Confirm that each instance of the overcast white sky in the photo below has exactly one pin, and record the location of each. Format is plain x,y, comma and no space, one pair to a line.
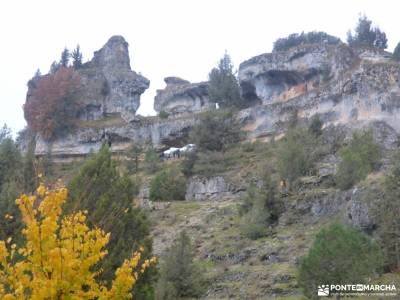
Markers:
183,38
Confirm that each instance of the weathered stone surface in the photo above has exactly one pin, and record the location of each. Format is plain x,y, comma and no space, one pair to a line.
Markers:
214,188
283,75
181,96
159,133
111,87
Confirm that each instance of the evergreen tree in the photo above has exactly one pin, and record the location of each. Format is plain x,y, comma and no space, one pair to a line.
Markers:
10,185
339,255
168,184
180,277
65,55
107,195
366,35
77,57
396,52
387,213
216,131
224,87
55,66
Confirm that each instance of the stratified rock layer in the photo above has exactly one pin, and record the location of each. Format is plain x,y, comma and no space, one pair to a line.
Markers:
180,96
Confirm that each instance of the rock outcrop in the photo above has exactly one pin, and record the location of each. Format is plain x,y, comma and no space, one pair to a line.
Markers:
280,76
181,96
346,88
214,188
354,92
110,86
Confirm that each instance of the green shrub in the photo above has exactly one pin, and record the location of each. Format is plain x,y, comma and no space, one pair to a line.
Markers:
180,276
296,155
386,213
339,255
163,115
216,131
296,39
360,157
168,184
260,208
152,161
315,126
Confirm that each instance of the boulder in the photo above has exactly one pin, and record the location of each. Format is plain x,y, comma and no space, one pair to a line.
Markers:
181,96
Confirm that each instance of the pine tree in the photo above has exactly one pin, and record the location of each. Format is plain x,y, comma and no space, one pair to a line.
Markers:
224,87
107,195
339,255
367,36
55,66
180,277
396,52
65,55
77,57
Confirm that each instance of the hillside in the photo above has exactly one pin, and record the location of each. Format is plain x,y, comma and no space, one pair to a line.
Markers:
314,143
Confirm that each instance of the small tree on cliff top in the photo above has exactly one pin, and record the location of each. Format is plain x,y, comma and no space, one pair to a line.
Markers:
224,87
59,255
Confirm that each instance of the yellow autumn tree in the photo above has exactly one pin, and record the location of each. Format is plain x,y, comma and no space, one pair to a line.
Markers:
59,255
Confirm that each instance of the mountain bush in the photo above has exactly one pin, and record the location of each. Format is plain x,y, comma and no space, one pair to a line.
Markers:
359,158
167,185
339,255
296,39
180,276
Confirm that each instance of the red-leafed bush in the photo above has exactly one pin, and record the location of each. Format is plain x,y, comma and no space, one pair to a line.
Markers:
51,107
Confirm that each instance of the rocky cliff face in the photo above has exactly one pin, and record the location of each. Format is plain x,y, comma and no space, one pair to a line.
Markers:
111,87
181,96
331,81
343,86
280,76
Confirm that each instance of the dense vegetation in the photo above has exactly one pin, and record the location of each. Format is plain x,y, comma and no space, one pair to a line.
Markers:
359,158
168,184
296,39
339,255
367,36
99,188
51,108
180,276
216,131
224,86
57,259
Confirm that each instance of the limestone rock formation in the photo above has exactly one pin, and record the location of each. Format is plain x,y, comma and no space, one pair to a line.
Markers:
331,81
214,188
111,87
181,96
282,75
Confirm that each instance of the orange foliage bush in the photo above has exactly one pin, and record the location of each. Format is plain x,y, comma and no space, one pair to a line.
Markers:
51,107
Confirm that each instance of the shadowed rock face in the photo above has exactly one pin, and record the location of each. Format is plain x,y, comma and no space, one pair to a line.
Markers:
181,96
280,76
111,87
334,82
